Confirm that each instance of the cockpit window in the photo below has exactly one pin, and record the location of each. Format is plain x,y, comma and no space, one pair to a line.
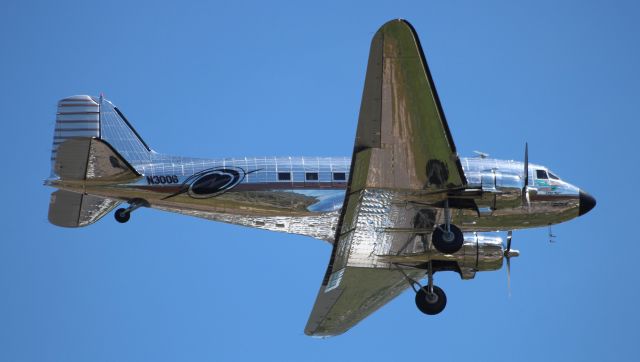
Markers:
553,177
541,174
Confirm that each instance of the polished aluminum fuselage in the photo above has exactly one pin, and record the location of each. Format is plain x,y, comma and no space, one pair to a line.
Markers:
310,205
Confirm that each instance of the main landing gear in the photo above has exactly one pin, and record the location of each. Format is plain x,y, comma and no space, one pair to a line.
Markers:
430,299
447,238
123,215
431,302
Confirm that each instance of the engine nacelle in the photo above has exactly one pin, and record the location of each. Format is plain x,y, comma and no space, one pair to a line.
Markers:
478,253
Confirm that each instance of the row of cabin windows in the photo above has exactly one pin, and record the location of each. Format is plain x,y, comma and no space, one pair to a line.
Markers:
312,176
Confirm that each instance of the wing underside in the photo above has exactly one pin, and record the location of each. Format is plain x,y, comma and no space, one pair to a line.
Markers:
401,118
403,148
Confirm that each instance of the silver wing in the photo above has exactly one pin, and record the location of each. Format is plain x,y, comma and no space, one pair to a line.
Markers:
403,147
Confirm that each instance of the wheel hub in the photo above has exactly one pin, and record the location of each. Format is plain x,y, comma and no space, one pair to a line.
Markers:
431,298
448,236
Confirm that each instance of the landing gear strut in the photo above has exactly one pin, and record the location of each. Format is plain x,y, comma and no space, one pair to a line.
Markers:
447,238
123,215
431,299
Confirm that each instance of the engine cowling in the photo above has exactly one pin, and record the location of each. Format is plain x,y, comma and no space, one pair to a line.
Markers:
479,253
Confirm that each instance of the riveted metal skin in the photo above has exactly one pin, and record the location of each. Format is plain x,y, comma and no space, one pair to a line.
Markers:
377,208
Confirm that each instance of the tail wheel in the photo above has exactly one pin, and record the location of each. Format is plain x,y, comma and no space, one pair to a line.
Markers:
122,215
447,242
431,303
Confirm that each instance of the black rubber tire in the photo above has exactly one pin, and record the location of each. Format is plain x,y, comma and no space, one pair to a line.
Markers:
431,307
447,247
122,216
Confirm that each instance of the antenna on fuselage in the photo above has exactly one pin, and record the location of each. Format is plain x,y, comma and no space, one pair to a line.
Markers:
552,236
481,154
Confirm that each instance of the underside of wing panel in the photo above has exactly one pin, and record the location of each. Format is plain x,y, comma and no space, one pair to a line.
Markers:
355,295
401,118
403,152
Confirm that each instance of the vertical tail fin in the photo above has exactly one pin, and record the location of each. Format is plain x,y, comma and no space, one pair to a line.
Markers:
77,116
95,117
92,141
116,130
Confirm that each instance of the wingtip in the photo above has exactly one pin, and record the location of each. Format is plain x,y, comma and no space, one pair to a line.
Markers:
394,22
314,335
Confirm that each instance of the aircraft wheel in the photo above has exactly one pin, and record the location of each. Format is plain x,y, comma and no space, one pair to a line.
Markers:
431,304
447,242
122,215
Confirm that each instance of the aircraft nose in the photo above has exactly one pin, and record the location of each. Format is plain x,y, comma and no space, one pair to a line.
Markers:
587,202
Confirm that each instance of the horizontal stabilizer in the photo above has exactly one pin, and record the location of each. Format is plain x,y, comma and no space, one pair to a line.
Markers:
91,159
71,209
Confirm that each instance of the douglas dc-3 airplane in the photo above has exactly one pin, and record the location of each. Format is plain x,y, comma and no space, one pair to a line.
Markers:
402,207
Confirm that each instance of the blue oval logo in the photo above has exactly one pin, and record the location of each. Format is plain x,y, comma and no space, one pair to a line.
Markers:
214,182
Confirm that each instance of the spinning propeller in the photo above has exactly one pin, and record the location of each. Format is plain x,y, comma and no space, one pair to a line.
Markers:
508,253
525,187
526,201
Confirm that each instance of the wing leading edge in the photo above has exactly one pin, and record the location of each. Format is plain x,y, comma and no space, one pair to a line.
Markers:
403,145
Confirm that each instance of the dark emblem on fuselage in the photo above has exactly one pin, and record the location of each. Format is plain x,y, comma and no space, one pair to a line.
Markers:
211,182
214,182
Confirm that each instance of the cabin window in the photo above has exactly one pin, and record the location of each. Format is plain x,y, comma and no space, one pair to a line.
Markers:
284,176
339,176
541,174
311,176
553,177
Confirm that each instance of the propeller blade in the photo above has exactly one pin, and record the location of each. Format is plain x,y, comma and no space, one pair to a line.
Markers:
507,255
526,164
509,275
525,186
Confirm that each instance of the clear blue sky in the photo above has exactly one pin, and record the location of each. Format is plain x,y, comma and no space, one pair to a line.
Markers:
273,78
